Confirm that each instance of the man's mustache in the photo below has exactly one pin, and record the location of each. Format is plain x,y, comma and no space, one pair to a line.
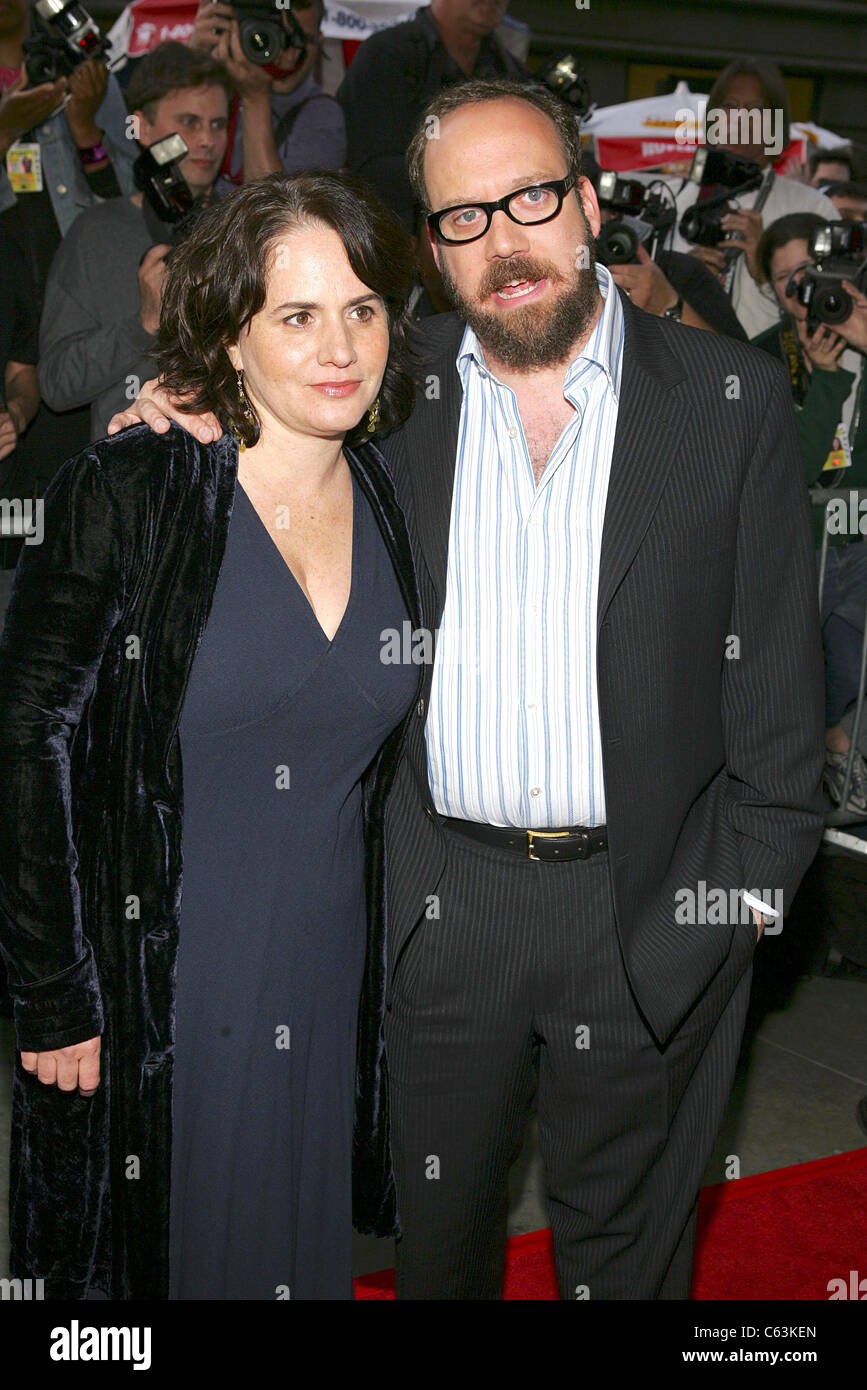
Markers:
519,268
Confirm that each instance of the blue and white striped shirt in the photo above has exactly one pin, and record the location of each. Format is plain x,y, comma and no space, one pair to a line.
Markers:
512,731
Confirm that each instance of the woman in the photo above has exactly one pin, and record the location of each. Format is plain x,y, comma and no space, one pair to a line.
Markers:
197,640
829,408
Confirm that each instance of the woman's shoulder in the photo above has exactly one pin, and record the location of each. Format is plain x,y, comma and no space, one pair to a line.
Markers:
140,458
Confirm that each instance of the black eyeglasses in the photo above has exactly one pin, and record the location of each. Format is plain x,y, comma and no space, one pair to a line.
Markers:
539,202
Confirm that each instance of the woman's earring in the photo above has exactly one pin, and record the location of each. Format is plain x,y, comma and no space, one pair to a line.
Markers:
247,412
373,416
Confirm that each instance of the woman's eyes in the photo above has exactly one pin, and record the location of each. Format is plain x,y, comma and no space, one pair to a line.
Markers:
365,313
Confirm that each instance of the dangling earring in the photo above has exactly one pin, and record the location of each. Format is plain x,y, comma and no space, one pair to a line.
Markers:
373,416
247,412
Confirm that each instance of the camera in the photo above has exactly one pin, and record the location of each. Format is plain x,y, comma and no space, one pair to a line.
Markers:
646,217
170,207
565,79
263,34
66,36
702,223
840,252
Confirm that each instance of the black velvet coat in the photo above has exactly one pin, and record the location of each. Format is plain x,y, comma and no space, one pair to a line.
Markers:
104,622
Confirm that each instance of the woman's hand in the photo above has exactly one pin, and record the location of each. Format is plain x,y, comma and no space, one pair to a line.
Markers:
822,348
69,1067
157,408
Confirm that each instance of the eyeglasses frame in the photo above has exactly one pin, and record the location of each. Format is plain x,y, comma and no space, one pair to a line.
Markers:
559,186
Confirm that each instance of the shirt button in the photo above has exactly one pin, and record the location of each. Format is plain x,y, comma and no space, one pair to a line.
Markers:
46,130
535,791
531,704
513,433
61,188
419,709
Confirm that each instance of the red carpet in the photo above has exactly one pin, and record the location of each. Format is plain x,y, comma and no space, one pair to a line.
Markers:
778,1235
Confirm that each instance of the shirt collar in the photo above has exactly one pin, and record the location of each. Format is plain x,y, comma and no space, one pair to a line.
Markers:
425,21
604,347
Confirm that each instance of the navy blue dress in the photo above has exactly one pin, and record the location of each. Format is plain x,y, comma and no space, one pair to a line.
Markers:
277,727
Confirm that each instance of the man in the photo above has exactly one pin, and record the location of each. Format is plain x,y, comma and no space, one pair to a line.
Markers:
849,198
829,166
396,72
751,99
102,303
285,120
588,490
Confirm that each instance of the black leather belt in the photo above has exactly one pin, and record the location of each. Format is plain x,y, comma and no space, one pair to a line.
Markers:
547,846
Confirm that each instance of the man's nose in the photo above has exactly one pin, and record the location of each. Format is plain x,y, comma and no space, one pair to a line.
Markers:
505,237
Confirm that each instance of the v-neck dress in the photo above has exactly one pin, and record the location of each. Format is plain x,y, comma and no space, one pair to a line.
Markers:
277,727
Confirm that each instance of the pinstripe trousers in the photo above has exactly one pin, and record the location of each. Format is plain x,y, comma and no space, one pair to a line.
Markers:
518,988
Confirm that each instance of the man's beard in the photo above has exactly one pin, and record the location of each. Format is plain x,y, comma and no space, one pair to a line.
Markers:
537,335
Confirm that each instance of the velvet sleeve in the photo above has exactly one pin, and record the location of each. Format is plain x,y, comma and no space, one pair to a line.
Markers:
66,598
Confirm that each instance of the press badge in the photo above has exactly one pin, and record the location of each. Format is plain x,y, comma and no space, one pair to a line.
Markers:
840,455
24,167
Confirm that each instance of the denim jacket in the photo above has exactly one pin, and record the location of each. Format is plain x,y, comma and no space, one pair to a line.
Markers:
62,173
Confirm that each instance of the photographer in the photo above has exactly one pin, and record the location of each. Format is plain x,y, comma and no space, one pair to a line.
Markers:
397,71
661,282
79,152
102,304
283,121
19,395
747,95
826,368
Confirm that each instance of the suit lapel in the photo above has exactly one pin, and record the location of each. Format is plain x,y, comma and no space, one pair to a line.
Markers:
649,427
650,423
431,444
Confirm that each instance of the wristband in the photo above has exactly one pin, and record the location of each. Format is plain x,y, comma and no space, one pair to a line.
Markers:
674,311
94,154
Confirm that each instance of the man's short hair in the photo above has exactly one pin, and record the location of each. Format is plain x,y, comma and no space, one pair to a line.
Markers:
770,79
845,188
172,67
492,89
821,155
795,226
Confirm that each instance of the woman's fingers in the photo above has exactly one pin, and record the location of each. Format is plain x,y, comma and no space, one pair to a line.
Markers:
70,1068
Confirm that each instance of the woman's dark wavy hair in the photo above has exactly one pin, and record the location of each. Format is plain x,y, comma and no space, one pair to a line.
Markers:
216,283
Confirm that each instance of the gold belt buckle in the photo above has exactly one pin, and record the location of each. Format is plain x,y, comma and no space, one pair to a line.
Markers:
542,835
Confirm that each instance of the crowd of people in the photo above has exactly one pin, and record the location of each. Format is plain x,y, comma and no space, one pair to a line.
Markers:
325,236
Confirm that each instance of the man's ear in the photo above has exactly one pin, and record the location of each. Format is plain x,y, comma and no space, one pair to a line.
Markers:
590,204
434,247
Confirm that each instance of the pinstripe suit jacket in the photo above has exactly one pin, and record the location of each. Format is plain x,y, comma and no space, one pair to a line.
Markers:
712,763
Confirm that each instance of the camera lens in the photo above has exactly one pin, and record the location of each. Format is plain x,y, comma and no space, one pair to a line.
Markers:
832,305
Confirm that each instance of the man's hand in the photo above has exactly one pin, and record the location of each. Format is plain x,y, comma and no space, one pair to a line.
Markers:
748,225
151,279
87,84
212,20
712,257
157,408
647,286
822,348
22,107
854,330
67,1067
10,428
250,79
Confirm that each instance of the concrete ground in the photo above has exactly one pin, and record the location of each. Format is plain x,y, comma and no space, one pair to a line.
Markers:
802,1071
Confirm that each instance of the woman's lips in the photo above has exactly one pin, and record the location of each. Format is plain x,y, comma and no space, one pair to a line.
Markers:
336,388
